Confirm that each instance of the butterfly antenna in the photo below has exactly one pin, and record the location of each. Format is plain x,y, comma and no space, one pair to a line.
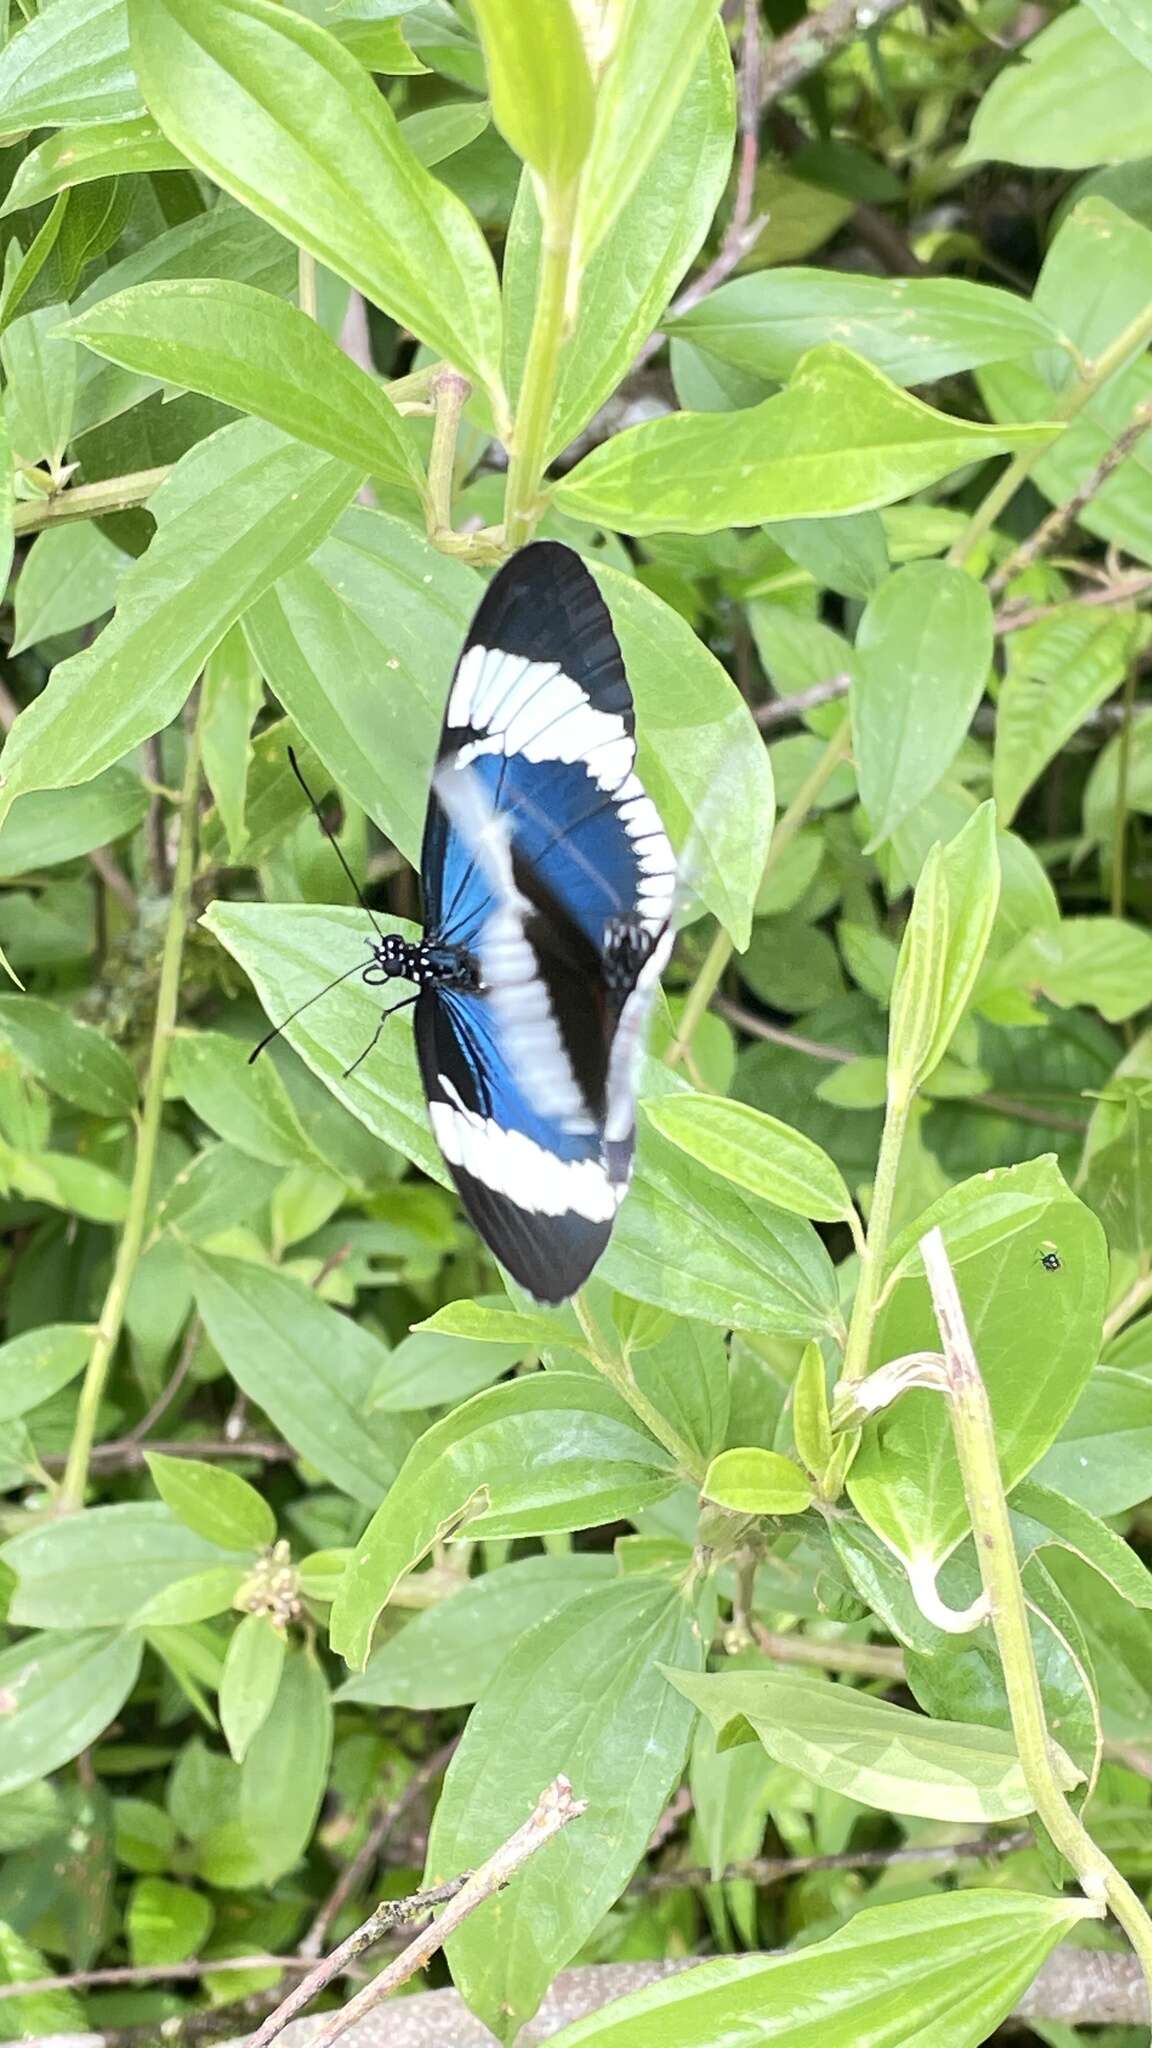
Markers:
293,1014
337,849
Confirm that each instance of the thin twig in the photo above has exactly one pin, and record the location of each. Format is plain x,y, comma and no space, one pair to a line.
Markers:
555,1807
389,1914
356,1872
149,1973
860,1660
1058,522
1127,590
764,1870
793,57
125,1453
782,710
113,877
172,1386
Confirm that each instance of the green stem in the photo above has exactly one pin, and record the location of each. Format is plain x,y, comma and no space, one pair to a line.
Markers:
108,1329
450,392
1068,404
720,951
879,1229
1119,890
529,446
1128,1305
619,1375
306,282
89,501
975,1441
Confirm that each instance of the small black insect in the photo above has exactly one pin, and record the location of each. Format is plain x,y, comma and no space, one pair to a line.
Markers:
1051,1260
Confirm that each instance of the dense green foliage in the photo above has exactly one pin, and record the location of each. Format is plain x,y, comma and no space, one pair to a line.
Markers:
292,1481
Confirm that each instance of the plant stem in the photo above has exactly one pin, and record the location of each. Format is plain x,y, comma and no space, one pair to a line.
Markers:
450,393
132,1237
619,1375
1119,889
975,1440
89,501
529,445
1128,1306
879,1228
306,282
1066,406
720,951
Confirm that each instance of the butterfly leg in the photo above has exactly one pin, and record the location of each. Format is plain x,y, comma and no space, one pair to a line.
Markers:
371,1045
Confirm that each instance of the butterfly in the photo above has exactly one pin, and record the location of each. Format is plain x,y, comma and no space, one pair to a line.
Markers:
548,887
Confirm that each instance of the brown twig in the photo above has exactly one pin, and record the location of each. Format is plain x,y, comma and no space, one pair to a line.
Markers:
113,877
1127,590
764,1870
859,1660
782,710
793,57
361,1865
172,1386
125,1453
389,1914
156,823
148,1973
555,1808
1062,517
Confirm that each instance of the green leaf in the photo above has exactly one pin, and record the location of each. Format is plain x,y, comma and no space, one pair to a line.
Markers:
248,349
166,1922
751,1481
914,329
72,1059
40,2012
943,948
40,369
307,1366
849,555
215,1503
683,1371
285,1771
99,1568
250,1680
542,97
756,1151
1075,101
247,1105
69,64
1102,1458
1041,1517
70,577
645,253
1059,671
57,825
433,1369
840,439
226,80
230,696
196,1598
235,513
1129,22
656,49
78,156
438,132
584,1692
923,657
63,1691
35,1365
555,1451
939,1972
1035,1345
866,1748
65,1181
448,1655
1099,961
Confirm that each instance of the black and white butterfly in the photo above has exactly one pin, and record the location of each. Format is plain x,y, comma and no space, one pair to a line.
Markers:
549,887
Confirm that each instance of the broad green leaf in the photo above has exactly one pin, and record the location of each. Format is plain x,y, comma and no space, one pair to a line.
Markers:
1129,22
29,2016
756,1151
78,156
584,1691
1058,672
448,1655
541,86
285,1771
250,350
71,1058
684,1372
40,372
213,1502
923,656
216,1186
555,1451
250,1680
874,1752
944,943
1102,1458
69,64
1076,100
1119,1643
437,132
840,439
230,696
166,1922
66,1181
914,329
226,81
307,1366
35,1365
687,1241
646,251
64,1690
1036,1335
493,1322
653,49
433,1369
196,1598
1042,1518
247,1105
235,513
99,1568
848,555
752,1481
1101,961
938,1972
70,577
